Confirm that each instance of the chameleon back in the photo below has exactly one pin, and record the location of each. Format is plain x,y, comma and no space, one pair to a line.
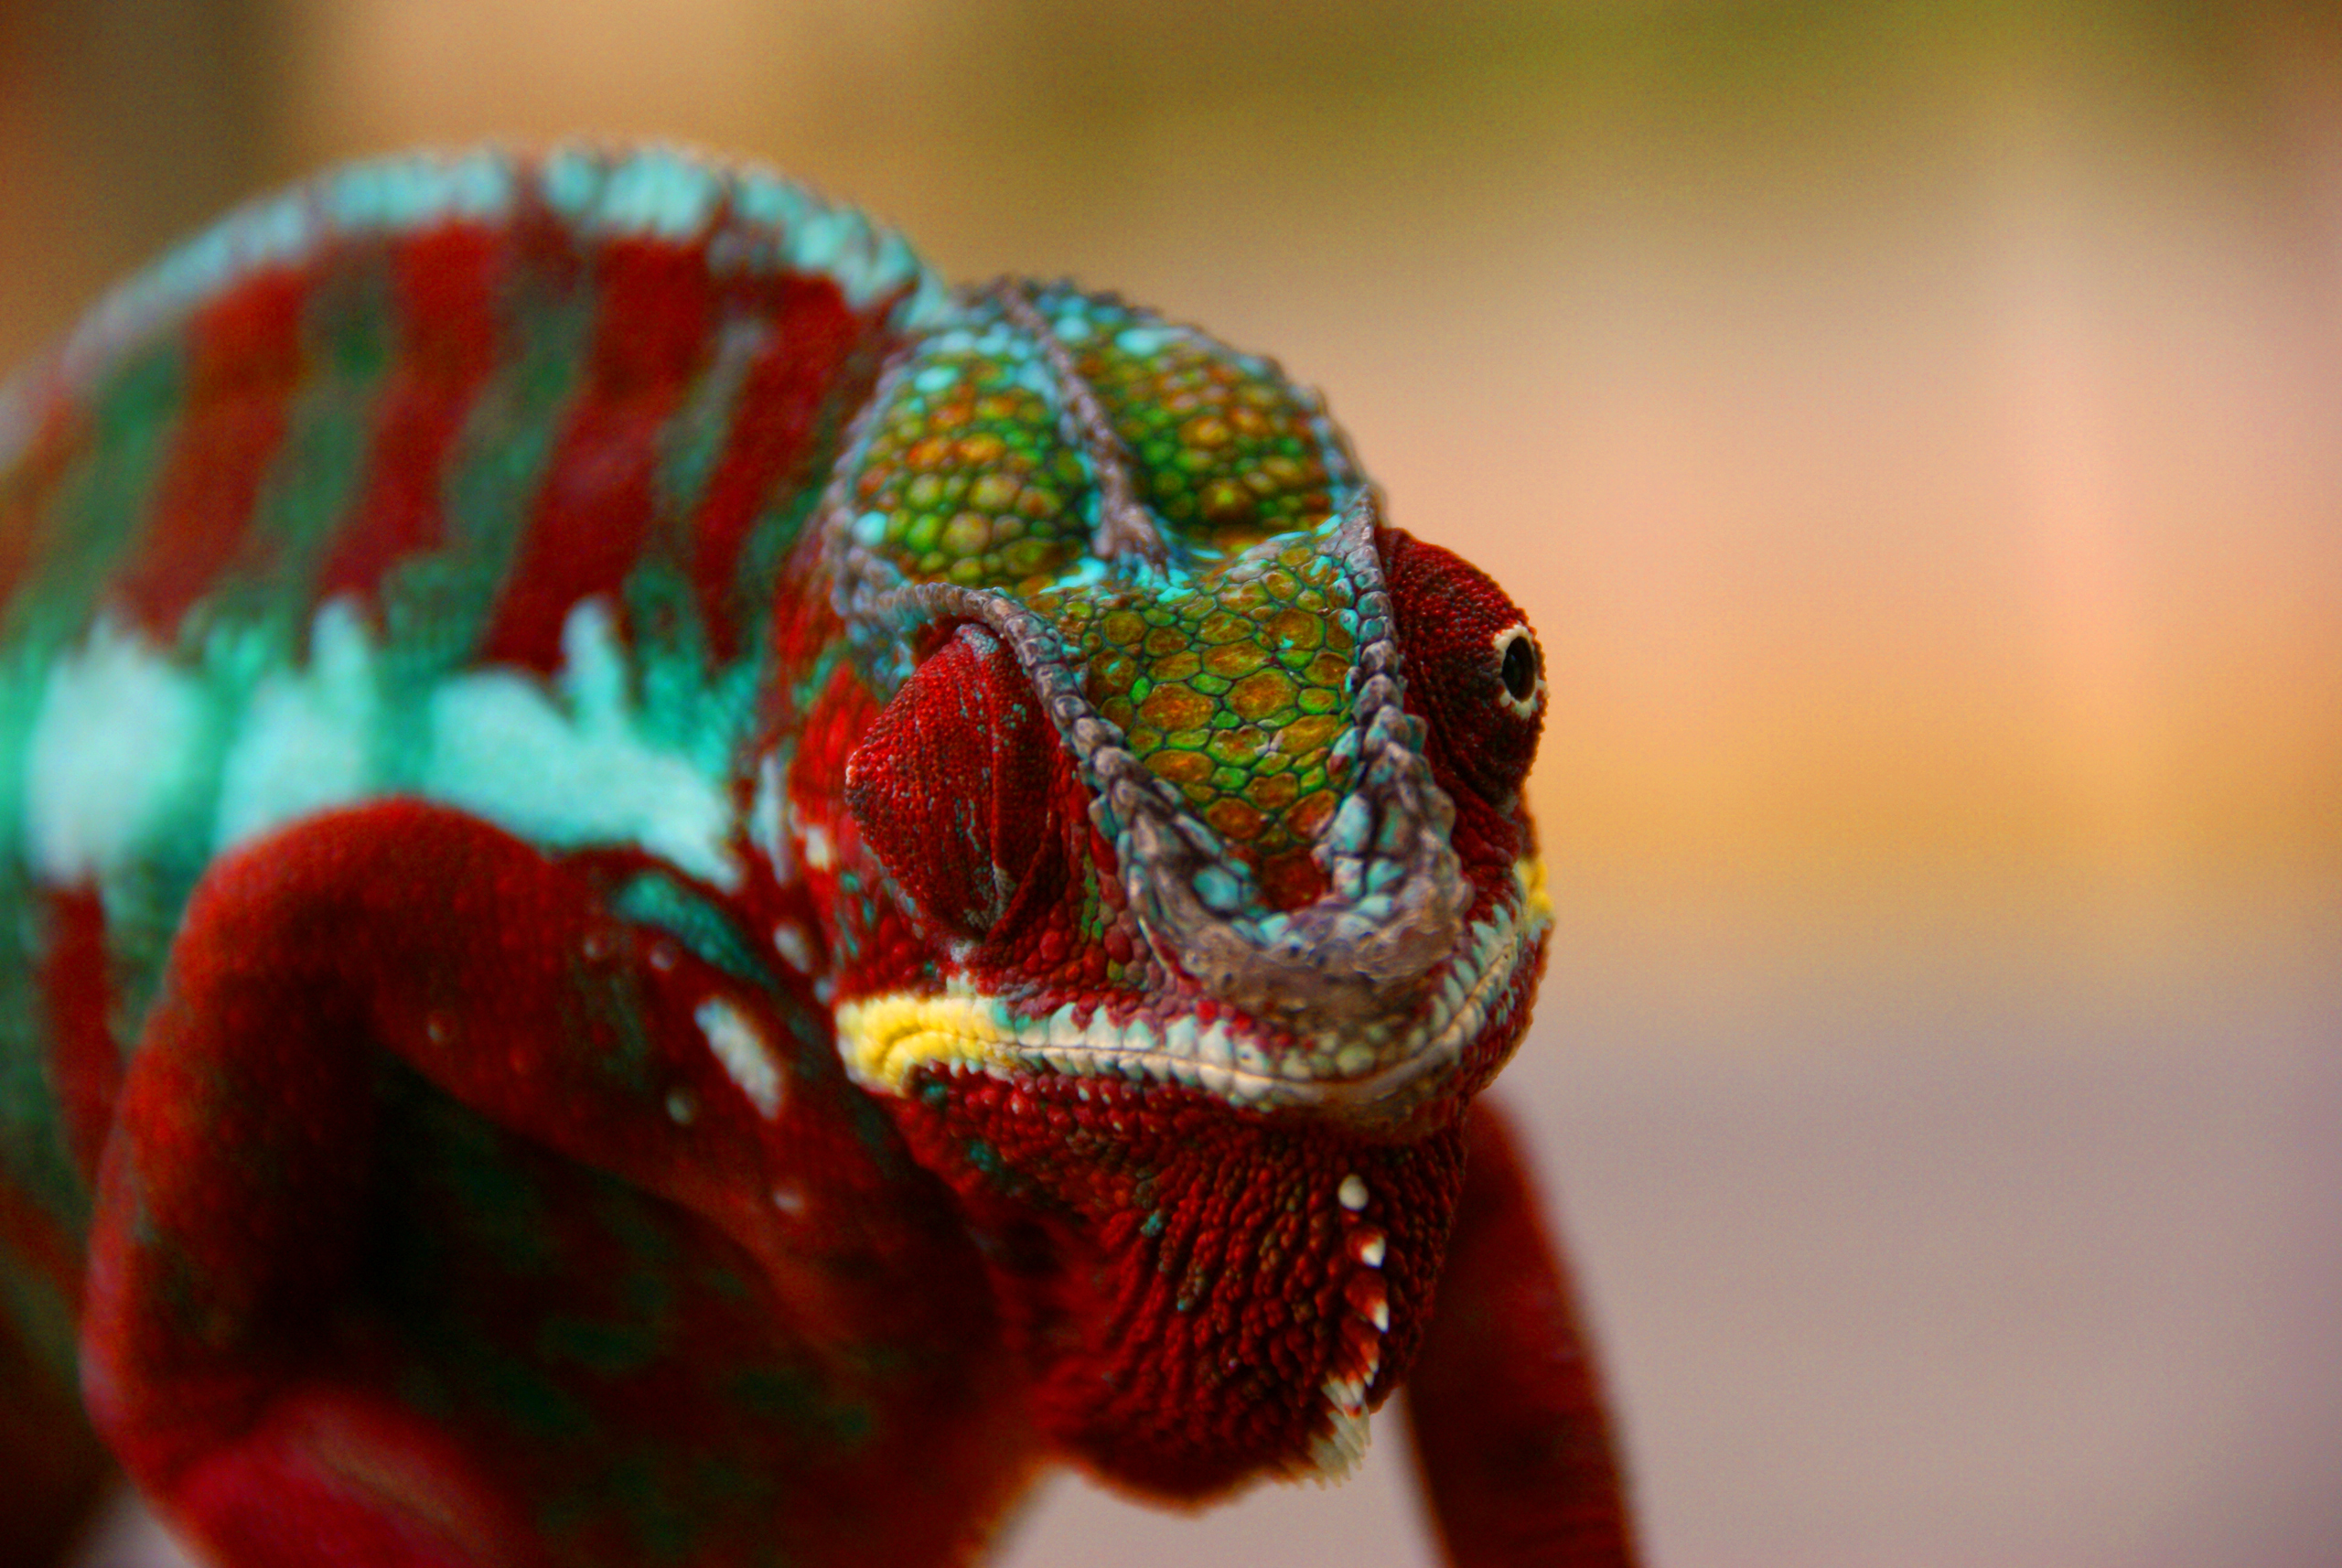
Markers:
276,512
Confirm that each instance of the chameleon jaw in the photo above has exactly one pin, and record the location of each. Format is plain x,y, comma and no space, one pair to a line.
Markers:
1361,1068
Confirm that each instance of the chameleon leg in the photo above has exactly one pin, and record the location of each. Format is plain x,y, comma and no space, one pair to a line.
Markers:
433,1234
1505,1406
226,1355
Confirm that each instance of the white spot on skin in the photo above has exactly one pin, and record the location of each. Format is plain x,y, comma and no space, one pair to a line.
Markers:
790,941
740,1046
789,1200
767,814
306,735
567,766
681,1107
112,751
1352,1192
820,853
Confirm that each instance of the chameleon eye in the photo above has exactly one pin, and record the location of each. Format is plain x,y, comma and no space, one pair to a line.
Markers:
1520,667
1472,664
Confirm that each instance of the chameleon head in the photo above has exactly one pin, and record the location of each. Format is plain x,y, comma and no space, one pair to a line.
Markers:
1183,890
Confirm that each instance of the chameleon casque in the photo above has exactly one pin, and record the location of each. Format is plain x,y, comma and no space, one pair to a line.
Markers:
676,896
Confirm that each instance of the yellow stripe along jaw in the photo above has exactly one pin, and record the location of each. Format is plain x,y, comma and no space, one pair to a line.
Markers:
885,1038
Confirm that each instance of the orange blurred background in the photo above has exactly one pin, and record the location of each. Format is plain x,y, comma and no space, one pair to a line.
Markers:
1916,434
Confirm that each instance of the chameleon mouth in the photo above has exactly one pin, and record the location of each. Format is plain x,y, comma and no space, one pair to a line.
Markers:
1363,1066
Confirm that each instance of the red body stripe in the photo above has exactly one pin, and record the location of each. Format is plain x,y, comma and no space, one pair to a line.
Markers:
244,367
593,511
85,1063
773,429
444,283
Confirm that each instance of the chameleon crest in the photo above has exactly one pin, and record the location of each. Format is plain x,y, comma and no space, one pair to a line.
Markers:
683,895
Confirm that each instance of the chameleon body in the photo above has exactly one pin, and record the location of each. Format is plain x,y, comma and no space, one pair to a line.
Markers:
679,897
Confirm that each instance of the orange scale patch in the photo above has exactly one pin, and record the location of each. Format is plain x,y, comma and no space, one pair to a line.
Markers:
1184,665
1111,676
1224,626
1294,628
1237,746
1312,734
1228,451
1259,695
1234,660
1232,817
1273,792
1232,693
1181,766
1309,813
1174,707
974,479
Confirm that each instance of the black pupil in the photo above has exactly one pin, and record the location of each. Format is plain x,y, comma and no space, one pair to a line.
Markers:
1519,669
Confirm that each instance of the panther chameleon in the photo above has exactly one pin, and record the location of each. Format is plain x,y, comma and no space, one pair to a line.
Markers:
677,897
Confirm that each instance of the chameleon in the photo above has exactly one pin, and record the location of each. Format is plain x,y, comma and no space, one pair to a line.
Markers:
678,896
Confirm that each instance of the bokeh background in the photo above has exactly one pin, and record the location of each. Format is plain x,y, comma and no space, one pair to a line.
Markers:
1915,431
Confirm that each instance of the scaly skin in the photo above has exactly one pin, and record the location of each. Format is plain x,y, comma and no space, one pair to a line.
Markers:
678,896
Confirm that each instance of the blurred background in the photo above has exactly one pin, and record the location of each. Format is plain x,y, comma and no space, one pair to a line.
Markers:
1915,431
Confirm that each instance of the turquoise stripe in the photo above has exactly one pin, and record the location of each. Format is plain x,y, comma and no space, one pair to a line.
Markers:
694,437
350,347
685,705
100,505
668,648
305,498
435,609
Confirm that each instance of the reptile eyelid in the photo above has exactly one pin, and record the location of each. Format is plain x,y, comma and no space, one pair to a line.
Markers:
1519,668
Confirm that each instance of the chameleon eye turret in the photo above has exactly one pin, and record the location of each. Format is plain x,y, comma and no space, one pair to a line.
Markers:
677,894
1476,674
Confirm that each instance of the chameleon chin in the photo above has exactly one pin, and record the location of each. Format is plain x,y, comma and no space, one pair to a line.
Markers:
678,896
